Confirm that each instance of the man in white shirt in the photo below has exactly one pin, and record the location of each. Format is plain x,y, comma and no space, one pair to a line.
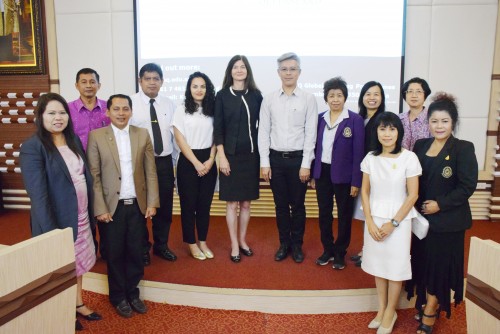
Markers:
125,187
154,112
287,136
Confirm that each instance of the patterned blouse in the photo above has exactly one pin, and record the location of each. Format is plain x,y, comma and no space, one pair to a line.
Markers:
415,130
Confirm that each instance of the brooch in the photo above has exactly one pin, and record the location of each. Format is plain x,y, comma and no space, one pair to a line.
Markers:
347,132
447,172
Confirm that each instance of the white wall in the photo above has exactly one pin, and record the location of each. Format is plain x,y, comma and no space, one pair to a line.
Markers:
450,43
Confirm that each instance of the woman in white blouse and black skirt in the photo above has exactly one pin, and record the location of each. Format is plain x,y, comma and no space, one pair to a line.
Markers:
196,169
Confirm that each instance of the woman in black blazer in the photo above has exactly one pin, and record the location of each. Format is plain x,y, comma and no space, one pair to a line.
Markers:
448,179
59,184
236,121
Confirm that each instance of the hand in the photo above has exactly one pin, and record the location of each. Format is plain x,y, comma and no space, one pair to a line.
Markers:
313,183
373,230
208,164
429,207
266,173
224,166
354,191
105,218
386,229
201,169
304,174
150,212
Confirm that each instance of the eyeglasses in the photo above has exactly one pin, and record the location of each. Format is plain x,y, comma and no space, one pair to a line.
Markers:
289,69
415,92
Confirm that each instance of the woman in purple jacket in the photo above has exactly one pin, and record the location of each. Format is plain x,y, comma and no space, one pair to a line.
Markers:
336,170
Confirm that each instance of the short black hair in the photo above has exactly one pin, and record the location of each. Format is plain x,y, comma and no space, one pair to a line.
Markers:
87,70
335,83
119,96
444,102
417,80
362,108
387,118
151,67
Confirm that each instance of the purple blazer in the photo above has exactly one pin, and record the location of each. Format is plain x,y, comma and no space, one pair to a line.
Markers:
348,150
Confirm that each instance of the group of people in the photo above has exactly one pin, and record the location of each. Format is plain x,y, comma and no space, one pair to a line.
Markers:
96,162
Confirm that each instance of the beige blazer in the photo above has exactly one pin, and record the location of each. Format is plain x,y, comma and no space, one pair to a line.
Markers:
104,162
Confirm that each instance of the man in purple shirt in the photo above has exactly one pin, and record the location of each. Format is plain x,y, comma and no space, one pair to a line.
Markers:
87,112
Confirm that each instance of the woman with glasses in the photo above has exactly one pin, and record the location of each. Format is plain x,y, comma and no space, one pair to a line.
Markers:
415,91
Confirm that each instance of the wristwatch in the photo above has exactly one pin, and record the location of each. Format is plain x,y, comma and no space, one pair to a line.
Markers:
394,222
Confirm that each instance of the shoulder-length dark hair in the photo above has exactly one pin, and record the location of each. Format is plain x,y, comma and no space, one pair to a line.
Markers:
387,118
44,135
362,108
228,78
208,103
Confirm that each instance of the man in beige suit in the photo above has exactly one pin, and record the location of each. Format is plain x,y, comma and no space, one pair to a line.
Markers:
125,187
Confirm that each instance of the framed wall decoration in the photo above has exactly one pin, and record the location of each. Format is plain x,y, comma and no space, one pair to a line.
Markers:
21,37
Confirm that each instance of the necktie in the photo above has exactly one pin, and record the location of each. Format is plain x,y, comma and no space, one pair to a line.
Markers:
156,128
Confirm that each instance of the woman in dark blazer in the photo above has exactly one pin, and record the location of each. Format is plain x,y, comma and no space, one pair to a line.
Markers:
448,180
59,184
336,170
236,120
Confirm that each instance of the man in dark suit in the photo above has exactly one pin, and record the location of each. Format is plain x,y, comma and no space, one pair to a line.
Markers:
125,185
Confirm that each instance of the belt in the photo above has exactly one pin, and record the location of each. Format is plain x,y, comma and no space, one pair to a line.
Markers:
128,201
163,157
286,155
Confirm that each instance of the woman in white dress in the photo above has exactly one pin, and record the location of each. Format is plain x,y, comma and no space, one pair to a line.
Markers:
388,193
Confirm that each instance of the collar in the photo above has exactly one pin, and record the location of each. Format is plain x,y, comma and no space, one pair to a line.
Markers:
146,98
80,105
422,117
343,115
232,91
297,91
116,131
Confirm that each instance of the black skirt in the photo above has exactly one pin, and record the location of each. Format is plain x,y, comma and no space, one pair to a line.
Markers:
438,268
243,182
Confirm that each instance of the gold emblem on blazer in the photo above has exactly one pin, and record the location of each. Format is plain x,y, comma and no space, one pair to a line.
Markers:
447,157
347,132
447,172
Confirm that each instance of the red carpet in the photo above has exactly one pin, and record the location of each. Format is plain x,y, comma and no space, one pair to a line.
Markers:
257,272
164,318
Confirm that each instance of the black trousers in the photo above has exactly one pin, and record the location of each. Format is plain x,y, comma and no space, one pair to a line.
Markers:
325,190
195,195
124,236
162,221
289,195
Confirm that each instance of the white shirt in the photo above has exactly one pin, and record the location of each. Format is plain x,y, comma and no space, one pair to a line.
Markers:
288,123
329,135
197,129
141,117
127,187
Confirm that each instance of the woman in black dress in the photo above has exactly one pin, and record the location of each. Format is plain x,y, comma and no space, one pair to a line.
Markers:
448,179
236,120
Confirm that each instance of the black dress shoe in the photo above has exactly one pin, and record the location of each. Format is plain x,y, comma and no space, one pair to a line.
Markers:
246,252
297,254
324,259
165,254
138,306
236,258
355,258
78,325
123,309
282,253
146,259
94,316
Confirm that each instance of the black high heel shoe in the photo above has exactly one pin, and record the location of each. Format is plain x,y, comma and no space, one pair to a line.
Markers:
246,252
94,316
427,329
236,258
